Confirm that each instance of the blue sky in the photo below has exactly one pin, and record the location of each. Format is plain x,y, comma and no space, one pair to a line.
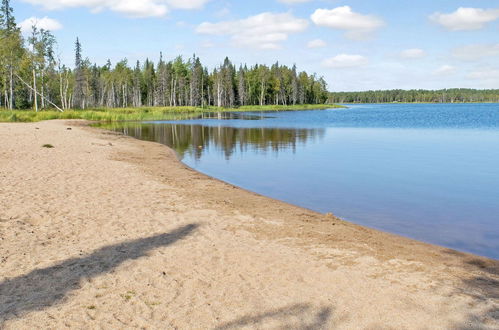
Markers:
354,44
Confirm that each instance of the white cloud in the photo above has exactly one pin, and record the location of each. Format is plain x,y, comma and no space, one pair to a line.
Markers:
263,31
222,12
476,52
292,2
317,43
485,74
44,23
357,26
345,61
445,70
132,8
412,53
466,19
184,4
207,44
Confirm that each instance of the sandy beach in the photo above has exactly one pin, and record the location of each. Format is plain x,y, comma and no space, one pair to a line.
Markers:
104,231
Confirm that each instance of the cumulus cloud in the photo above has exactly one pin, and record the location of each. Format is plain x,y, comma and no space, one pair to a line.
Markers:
263,31
317,43
184,4
445,70
292,2
345,61
412,53
485,74
44,23
476,52
132,8
466,19
357,26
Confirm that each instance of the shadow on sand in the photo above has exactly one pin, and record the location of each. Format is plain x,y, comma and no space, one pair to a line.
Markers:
45,287
483,286
299,316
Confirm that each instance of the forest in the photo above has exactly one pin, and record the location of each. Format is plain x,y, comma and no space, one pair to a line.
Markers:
31,77
455,95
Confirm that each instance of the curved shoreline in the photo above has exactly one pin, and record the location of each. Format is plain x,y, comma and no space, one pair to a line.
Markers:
190,152
251,261
178,159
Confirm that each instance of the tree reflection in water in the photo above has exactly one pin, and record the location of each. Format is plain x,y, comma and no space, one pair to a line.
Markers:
194,139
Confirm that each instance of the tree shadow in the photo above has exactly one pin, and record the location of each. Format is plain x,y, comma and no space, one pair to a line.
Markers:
482,285
45,287
299,316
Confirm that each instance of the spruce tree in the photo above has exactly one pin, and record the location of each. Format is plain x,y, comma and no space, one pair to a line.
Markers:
78,94
7,20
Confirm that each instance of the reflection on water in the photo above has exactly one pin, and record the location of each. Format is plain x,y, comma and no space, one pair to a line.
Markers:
232,116
194,140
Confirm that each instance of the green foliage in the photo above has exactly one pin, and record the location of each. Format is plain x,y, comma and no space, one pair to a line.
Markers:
7,20
456,95
138,114
48,146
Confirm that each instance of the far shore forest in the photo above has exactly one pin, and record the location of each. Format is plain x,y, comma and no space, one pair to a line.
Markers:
33,78
453,95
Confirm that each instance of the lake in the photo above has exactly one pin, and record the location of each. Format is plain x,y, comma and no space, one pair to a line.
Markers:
425,171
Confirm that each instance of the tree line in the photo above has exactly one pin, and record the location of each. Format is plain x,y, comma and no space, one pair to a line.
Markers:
31,76
455,95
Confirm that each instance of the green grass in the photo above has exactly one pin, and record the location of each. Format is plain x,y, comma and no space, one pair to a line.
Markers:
140,114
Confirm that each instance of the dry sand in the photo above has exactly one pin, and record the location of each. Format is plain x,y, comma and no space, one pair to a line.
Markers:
104,231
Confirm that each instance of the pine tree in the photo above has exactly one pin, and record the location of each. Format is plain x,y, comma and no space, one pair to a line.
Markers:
196,82
137,81
294,85
7,20
241,86
78,93
11,52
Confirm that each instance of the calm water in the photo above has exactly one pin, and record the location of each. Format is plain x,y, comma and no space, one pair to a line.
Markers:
430,172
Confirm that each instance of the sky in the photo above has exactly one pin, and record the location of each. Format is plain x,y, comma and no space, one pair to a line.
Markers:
354,44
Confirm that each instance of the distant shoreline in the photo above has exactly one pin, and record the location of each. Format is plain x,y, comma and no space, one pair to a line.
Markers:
353,103
451,95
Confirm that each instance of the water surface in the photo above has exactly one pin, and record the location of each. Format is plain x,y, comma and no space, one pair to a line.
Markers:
429,172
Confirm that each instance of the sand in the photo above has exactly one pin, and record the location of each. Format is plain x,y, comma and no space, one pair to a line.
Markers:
104,231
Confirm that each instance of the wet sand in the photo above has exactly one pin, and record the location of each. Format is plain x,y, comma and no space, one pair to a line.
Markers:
104,231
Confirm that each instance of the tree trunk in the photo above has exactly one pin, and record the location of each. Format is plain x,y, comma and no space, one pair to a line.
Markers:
35,91
43,90
11,98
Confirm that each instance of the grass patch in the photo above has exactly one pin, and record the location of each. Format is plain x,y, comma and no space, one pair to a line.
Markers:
142,113
48,146
128,295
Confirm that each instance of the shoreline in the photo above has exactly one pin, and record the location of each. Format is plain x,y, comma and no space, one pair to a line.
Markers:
331,216
118,130
252,261
144,113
